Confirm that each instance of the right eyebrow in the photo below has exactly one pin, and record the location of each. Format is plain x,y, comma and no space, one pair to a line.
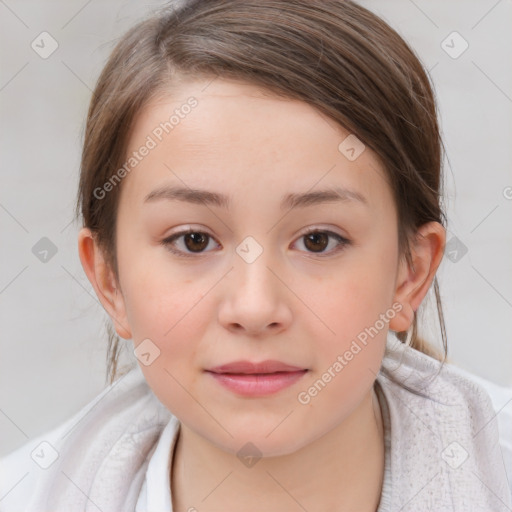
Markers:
190,195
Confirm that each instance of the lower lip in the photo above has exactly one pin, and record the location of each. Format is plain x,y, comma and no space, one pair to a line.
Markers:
257,384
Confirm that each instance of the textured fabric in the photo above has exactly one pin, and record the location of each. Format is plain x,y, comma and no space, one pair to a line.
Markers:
442,449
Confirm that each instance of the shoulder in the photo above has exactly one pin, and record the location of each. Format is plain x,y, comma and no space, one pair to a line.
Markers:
450,421
107,440
501,400
19,469
449,383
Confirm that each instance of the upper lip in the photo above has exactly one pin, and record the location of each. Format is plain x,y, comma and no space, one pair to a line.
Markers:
248,367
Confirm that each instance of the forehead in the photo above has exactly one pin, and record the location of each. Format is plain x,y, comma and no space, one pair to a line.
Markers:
223,134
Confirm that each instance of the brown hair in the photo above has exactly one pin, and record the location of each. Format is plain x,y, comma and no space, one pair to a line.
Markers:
333,54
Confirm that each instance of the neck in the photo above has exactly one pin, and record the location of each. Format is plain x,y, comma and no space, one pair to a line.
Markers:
342,470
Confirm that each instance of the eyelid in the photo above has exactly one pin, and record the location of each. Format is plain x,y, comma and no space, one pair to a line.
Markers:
322,229
189,228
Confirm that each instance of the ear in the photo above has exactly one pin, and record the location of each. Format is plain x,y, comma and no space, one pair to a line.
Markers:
412,284
103,281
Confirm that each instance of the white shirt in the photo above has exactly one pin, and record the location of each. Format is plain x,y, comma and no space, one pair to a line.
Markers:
448,451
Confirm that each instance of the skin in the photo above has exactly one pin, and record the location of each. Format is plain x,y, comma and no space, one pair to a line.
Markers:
291,304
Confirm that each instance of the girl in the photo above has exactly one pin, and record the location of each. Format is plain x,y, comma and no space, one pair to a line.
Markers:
260,192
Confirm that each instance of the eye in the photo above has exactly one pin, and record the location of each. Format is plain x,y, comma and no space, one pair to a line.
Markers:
316,241
194,241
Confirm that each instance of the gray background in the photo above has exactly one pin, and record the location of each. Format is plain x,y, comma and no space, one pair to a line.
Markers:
53,341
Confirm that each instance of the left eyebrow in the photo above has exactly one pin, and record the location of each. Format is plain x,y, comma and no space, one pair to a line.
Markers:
331,195
288,201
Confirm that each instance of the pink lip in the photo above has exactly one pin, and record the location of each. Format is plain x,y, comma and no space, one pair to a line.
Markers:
256,379
268,366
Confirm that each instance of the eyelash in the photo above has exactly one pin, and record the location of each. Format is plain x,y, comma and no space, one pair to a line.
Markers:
342,242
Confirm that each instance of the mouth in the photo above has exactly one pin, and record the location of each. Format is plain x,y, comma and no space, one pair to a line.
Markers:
254,368
246,378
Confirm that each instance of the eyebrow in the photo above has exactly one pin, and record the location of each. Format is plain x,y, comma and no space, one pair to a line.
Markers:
288,201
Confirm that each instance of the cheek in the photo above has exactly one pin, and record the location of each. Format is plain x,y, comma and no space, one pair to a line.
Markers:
168,310
349,299
157,294
355,314
167,322
349,312
170,317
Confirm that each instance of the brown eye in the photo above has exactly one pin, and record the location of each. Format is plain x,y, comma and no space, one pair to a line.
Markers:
196,242
191,242
316,242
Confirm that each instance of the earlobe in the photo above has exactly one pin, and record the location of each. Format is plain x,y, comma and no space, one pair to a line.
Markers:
413,282
103,281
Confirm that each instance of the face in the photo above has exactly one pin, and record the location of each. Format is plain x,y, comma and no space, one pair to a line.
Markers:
265,274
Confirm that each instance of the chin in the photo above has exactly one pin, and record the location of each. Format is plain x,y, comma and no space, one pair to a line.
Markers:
251,442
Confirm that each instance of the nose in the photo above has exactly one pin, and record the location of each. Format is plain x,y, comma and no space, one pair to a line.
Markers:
255,300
